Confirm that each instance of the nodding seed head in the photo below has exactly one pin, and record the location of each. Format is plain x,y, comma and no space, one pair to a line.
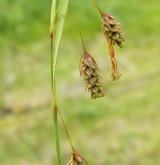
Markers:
90,73
112,29
114,36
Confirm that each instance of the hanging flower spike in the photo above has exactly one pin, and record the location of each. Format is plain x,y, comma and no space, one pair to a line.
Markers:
114,36
90,73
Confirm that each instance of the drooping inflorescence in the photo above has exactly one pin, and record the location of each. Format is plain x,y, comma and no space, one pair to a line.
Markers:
90,73
114,36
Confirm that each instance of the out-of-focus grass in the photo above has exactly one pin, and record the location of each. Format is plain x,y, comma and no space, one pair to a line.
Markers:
122,128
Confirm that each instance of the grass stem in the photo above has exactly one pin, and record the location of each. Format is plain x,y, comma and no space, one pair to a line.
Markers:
56,30
54,109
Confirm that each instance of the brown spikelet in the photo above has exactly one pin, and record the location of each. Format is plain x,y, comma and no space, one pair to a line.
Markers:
112,30
114,36
90,73
76,159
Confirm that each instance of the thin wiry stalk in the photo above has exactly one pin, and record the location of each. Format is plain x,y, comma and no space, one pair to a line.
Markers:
55,35
66,130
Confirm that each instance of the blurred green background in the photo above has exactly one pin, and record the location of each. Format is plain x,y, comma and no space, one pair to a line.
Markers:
120,129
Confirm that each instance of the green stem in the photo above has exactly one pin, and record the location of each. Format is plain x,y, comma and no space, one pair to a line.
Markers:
54,107
57,137
56,29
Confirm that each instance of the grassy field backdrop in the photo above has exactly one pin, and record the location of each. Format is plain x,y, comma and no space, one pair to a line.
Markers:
120,129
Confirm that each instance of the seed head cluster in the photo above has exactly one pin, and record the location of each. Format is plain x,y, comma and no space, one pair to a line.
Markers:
89,72
112,29
114,36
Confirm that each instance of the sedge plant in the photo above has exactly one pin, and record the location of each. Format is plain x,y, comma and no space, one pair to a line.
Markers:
56,29
58,13
89,69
